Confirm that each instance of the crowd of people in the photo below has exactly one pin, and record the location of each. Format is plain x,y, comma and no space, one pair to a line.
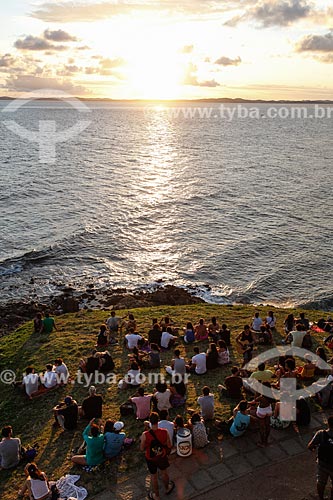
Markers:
103,440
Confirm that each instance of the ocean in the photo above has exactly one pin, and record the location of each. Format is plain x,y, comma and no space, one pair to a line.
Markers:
235,208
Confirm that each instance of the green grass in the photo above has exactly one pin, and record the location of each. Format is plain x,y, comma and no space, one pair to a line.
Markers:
76,336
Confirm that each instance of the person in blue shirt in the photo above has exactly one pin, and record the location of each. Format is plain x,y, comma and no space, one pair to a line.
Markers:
241,419
113,438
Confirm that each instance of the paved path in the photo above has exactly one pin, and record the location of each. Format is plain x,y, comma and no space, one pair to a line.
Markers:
212,472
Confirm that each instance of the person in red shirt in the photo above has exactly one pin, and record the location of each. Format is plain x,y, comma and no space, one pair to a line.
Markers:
156,444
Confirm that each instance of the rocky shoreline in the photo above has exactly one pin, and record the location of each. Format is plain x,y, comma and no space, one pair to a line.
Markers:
13,314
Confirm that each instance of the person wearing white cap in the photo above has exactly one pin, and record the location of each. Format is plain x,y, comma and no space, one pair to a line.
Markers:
113,438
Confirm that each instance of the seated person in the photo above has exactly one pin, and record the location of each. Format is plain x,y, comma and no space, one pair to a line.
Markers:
276,421
36,483
201,331
113,438
297,336
245,342
239,421
132,377
131,339
256,322
102,339
265,335
162,396
189,334
91,364
179,423
212,357
167,322
224,334
66,414
289,324
233,385
94,439
30,381
213,329
307,371
178,365
196,424
167,339
62,371
154,360
307,342
142,403
10,449
130,325
138,356
198,364
178,393
271,320
106,361
92,406
206,403
164,423
155,334
262,375
303,321
50,380
223,353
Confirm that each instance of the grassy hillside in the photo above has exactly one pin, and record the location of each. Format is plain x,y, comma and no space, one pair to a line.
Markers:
76,336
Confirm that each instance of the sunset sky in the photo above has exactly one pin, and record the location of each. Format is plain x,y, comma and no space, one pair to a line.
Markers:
168,49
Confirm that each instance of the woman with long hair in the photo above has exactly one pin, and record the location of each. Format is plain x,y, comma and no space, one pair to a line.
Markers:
36,483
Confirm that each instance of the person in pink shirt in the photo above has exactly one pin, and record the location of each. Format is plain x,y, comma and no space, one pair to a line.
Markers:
142,403
201,330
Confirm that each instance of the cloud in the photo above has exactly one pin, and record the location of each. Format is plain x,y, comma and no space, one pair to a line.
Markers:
226,61
59,36
187,49
316,43
6,61
29,82
91,11
36,43
107,63
269,13
191,78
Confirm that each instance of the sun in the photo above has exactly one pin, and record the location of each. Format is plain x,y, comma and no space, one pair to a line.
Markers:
155,70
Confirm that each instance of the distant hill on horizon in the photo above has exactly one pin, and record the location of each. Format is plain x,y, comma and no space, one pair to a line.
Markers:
209,100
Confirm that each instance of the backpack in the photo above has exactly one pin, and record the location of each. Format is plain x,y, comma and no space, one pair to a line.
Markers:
325,450
156,449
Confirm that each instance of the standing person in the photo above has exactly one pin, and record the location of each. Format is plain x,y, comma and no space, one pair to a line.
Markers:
38,323
36,483
94,440
48,324
10,449
156,444
323,440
